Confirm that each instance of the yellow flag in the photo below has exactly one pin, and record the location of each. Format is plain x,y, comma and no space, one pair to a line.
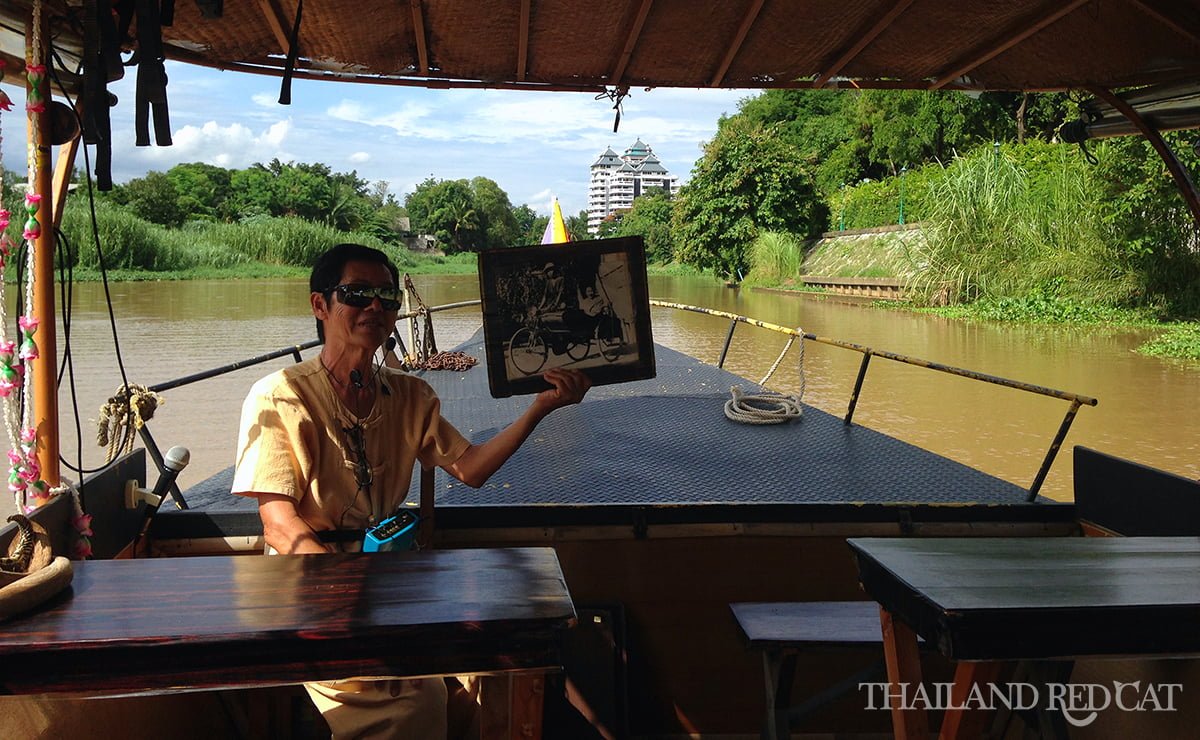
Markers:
556,228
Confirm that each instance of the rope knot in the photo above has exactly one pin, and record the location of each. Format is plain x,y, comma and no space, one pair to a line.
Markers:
123,415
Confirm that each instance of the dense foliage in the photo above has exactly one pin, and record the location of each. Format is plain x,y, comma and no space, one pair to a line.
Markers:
203,192
749,180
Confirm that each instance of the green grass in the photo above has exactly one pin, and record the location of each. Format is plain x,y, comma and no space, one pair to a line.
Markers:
775,258
678,269
890,254
1042,309
1180,340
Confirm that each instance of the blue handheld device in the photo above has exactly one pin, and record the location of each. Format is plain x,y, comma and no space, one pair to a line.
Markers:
395,533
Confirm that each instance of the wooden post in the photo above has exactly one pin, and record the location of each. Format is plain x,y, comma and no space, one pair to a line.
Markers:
511,706
966,723
904,676
44,375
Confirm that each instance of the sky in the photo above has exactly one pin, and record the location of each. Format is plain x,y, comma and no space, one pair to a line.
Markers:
536,145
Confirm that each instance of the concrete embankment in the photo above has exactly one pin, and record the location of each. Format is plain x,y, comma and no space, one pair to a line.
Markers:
871,263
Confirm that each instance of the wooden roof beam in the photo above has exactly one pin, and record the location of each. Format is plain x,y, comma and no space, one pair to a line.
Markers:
277,22
736,46
1191,34
631,39
1179,173
862,42
419,35
1053,14
523,41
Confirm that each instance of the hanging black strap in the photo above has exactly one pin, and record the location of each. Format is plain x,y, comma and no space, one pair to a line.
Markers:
285,88
151,79
99,46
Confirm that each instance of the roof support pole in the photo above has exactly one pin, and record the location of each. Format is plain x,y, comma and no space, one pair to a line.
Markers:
1183,181
44,373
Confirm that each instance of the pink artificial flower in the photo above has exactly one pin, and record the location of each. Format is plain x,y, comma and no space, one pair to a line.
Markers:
16,486
37,107
32,199
83,524
5,101
40,489
32,231
7,347
29,350
6,388
29,435
28,324
83,548
35,69
15,458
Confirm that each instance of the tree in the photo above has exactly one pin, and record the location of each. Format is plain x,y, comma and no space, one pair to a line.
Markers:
154,198
577,226
536,229
201,190
253,193
749,179
496,213
303,190
650,218
446,210
526,219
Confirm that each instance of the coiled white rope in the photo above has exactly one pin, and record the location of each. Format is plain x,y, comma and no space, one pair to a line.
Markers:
768,408
761,408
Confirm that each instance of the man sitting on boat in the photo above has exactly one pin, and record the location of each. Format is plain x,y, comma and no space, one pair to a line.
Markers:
329,444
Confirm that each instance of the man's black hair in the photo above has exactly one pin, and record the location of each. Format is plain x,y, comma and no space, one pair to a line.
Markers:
327,270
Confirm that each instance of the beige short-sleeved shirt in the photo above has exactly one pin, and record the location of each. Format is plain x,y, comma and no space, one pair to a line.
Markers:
297,439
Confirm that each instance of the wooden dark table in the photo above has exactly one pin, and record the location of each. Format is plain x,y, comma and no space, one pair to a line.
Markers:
1003,599
225,622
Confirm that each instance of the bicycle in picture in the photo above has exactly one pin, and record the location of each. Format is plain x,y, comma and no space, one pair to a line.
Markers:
549,332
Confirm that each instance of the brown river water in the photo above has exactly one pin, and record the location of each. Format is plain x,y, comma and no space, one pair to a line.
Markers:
1147,410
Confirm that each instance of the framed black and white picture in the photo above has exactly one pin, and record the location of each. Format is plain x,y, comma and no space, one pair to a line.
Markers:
581,305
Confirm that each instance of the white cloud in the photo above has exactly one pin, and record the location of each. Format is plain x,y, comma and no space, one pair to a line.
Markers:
543,201
232,146
360,157
403,120
265,100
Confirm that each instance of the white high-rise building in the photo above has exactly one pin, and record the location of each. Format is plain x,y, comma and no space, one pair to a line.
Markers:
617,180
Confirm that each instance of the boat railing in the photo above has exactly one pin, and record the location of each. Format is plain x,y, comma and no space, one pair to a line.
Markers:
1076,400
410,318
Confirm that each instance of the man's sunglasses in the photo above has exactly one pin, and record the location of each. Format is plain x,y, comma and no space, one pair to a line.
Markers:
360,296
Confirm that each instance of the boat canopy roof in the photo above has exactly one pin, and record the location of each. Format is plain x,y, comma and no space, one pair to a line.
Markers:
594,45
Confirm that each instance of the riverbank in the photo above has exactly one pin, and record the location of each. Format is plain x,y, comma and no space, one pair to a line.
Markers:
1178,340
413,264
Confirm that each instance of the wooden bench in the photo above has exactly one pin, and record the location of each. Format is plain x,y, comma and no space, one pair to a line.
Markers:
782,629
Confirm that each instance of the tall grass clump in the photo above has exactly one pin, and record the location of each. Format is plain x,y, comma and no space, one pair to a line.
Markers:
273,241
127,241
996,231
775,258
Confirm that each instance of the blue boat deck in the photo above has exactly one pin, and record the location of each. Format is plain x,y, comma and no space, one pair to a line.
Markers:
666,441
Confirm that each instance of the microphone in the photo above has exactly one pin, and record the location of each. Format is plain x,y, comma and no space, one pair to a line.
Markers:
176,459
356,379
389,345
174,462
